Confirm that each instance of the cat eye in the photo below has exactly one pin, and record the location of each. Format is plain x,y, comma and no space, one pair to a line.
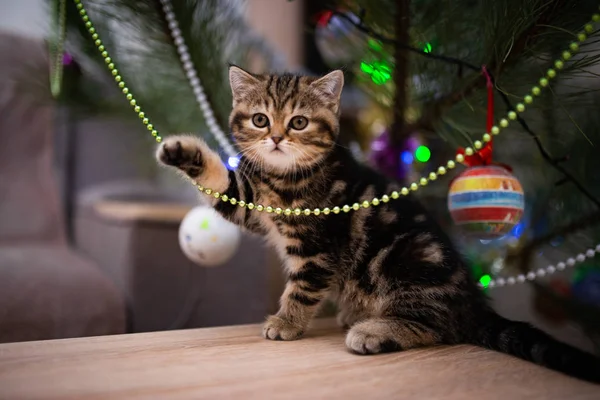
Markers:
260,120
298,123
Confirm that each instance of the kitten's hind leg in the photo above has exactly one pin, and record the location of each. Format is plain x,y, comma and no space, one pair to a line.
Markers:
380,335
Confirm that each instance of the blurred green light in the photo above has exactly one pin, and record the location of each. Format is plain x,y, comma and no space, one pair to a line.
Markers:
422,154
375,45
485,280
377,78
366,68
379,71
385,70
427,48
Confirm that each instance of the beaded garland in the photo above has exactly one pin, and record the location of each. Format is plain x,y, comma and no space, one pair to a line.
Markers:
549,270
477,145
192,75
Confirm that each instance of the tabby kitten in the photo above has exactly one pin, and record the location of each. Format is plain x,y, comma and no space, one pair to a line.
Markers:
397,278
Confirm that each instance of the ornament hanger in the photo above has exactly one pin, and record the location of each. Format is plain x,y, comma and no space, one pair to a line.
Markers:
484,155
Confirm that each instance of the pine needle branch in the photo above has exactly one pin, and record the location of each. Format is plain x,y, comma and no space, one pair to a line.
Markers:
360,25
496,65
433,111
554,163
401,72
139,41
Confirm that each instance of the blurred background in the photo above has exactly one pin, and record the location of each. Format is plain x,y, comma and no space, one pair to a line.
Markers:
91,234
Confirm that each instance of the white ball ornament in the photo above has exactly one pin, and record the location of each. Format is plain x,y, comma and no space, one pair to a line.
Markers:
206,238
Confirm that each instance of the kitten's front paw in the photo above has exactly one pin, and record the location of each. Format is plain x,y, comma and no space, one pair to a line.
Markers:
182,152
277,328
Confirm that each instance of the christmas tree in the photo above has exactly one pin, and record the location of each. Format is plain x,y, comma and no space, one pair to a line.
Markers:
440,78
445,73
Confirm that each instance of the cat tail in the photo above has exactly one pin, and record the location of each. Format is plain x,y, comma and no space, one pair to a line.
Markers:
531,344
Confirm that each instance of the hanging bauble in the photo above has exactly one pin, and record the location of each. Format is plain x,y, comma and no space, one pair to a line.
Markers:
206,238
338,39
486,201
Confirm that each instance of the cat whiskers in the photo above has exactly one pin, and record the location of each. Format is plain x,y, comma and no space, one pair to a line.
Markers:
247,154
339,145
254,159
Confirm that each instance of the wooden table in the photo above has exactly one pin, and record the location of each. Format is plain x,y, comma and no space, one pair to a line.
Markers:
236,363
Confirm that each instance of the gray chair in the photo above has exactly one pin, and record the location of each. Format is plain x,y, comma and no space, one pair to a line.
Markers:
47,289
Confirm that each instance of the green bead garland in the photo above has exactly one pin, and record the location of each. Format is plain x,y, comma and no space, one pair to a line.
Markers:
113,69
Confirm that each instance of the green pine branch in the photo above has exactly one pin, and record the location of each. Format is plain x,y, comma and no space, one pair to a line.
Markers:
137,36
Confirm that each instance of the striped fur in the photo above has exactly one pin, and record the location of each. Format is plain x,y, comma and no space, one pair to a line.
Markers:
397,278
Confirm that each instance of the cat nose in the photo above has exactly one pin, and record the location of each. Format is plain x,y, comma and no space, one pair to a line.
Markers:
276,139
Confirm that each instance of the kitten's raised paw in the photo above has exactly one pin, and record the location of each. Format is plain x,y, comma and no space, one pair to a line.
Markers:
277,328
183,153
369,338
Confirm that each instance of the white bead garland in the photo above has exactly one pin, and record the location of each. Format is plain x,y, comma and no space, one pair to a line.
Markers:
549,270
192,75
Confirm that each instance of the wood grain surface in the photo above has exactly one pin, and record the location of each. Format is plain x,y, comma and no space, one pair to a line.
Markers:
236,363
135,211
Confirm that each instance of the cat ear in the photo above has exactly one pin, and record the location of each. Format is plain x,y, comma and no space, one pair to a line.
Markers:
240,81
330,85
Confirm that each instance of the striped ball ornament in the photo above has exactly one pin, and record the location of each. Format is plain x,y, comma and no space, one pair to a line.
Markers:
486,201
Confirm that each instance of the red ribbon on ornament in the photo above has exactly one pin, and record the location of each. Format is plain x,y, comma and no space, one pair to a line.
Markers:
322,19
484,155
